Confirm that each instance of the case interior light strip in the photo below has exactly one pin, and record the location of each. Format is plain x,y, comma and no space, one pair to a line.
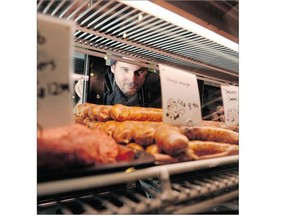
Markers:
162,13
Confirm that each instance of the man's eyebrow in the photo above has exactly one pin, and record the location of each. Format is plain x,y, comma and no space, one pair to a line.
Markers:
141,69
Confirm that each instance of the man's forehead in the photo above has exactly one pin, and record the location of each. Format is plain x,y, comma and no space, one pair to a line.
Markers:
129,65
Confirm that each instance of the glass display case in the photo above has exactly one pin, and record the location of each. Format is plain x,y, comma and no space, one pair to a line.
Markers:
110,30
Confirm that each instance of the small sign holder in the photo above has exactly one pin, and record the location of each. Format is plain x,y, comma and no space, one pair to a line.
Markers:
231,104
54,71
180,97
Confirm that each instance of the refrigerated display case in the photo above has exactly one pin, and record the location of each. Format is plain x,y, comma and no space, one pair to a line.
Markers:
110,30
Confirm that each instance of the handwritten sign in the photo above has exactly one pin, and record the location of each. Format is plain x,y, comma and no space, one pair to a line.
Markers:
54,71
230,103
180,97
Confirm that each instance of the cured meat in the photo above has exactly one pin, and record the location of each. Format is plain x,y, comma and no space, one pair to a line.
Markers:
99,112
92,112
213,123
94,124
87,121
220,125
123,133
79,119
125,154
169,140
144,133
135,146
211,134
164,158
104,113
152,149
82,109
108,127
122,113
198,150
74,146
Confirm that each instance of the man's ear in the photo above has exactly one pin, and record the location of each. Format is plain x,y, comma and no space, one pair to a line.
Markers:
113,68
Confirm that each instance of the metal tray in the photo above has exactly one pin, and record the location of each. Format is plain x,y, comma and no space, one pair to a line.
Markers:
141,159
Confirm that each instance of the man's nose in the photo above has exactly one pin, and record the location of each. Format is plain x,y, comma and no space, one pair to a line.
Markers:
131,76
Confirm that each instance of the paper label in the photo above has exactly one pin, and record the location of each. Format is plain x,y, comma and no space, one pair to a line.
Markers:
54,71
231,104
180,97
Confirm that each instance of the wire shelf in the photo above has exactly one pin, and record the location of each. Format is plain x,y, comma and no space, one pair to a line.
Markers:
115,28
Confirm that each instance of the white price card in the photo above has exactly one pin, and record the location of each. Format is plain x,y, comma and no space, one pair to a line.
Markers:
54,71
180,97
231,104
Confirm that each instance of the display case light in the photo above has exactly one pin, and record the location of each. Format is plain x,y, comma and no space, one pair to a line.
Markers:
140,17
164,14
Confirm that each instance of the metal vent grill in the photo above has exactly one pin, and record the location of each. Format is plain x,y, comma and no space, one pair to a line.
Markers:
115,28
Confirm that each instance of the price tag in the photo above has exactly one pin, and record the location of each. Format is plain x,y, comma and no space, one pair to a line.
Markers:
231,104
54,71
180,97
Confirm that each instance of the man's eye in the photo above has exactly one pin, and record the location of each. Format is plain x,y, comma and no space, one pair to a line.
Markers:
125,69
140,72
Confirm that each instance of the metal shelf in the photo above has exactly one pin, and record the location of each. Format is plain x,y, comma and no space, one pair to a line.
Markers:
169,191
162,172
115,29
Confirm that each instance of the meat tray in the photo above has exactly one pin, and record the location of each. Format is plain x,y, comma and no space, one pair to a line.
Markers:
140,159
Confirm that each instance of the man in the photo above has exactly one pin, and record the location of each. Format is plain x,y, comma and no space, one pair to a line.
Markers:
129,84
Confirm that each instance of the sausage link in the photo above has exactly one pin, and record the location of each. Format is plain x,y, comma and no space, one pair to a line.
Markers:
123,133
198,150
211,134
122,113
170,140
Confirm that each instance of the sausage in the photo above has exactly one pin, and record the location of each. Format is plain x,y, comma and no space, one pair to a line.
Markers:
108,127
135,146
94,124
87,121
92,112
144,133
82,109
125,154
211,134
123,133
79,119
152,149
99,112
104,113
122,113
220,125
198,150
212,123
170,140
164,158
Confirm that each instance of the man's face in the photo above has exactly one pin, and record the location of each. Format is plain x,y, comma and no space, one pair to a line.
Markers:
128,77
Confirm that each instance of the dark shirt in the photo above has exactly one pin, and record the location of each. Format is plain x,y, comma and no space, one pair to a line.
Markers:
148,96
